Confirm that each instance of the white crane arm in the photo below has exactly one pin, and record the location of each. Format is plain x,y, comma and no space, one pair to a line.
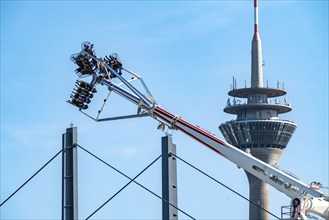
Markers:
276,178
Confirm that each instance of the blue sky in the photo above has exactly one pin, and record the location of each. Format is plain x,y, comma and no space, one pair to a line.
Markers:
187,52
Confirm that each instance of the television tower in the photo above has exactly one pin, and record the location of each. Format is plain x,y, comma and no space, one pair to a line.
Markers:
257,128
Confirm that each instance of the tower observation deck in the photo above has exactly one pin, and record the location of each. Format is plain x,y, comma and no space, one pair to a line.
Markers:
257,127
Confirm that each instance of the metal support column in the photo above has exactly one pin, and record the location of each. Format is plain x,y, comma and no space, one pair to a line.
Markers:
169,179
70,175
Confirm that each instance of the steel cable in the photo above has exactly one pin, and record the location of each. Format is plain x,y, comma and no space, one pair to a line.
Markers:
131,180
30,178
232,190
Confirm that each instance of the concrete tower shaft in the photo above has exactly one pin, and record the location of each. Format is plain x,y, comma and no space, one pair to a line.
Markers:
256,54
258,190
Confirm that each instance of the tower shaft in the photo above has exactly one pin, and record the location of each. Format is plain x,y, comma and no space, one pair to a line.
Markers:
258,190
258,194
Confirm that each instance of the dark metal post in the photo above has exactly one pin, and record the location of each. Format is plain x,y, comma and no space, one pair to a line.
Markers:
169,179
70,175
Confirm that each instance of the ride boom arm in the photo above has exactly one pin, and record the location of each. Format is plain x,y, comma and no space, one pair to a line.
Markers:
283,182
105,71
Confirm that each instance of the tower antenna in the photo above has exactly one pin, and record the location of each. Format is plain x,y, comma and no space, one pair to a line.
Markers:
255,16
256,53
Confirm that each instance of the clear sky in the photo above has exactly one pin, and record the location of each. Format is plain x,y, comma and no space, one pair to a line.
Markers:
187,52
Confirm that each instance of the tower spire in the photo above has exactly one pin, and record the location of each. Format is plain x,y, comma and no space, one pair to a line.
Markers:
256,53
255,17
